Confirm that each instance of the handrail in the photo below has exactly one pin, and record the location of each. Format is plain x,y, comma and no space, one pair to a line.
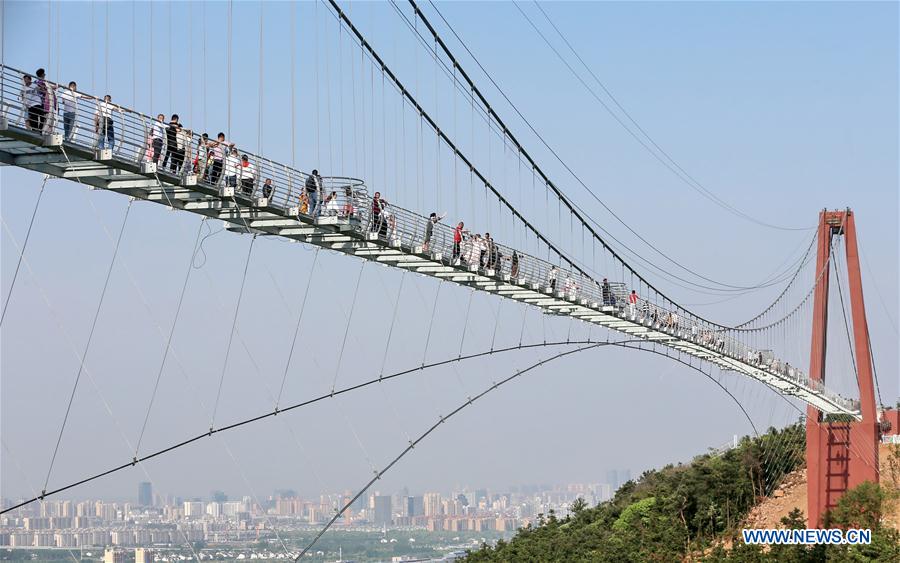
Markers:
348,200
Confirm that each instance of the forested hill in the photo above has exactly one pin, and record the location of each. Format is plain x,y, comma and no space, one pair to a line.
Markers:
689,511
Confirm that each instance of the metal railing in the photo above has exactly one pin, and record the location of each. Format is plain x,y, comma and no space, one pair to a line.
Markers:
285,189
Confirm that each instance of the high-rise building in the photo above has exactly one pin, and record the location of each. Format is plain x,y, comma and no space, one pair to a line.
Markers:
193,509
383,509
142,555
432,504
415,506
113,556
145,494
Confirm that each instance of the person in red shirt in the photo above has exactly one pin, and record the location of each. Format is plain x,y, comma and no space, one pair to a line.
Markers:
457,240
632,302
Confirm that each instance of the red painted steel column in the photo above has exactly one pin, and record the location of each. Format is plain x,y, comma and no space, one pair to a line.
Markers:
864,435
839,455
814,461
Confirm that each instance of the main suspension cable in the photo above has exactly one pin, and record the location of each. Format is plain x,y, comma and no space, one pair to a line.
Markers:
468,402
356,387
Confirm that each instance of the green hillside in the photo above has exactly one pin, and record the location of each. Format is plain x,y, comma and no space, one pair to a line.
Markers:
685,511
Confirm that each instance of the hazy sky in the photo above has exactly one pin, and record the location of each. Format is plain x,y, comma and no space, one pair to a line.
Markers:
781,109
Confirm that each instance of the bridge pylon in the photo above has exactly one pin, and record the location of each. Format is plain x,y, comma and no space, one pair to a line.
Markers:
840,454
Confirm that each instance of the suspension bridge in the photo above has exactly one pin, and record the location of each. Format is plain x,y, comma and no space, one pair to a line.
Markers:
77,135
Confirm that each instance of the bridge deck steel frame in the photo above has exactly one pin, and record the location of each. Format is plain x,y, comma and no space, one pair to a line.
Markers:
28,149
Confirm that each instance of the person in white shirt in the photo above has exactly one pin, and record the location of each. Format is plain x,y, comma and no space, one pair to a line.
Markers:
218,150
157,135
103,124
29,98
248,175
232,166
69,108
331,204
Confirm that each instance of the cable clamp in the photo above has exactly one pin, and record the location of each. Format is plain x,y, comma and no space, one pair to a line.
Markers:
43,494
441,417
211,430
134,461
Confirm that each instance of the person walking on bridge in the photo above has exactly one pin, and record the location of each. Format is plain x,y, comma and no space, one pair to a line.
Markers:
248,176
69,109
457,241
157,136
632,303
313,189
171,141
218,149
433,220
551,277
41,109
103,124
378,221
232,167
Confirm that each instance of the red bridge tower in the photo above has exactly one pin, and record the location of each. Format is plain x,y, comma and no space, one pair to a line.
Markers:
839,454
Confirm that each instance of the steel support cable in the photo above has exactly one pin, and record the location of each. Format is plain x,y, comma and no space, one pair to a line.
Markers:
255,364
431,322
870,458
249,486
337,370
329,395
90,338
72,345
846,324
237,309
387,348
550,246
874,369
442,419
424,115
462,338
9,455
742,327
12,284
102,398
162,364
874,279
507,133
686,178
387,345
637,256
228,51
260,115
287,364
803,263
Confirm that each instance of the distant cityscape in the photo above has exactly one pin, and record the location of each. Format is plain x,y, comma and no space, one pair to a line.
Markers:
162,521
